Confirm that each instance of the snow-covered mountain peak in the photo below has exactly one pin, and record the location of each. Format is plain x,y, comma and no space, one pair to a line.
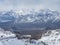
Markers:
32,17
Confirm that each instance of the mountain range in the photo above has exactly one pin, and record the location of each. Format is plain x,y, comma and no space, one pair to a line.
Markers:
30,19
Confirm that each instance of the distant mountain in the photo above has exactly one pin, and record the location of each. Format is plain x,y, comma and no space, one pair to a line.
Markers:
30,19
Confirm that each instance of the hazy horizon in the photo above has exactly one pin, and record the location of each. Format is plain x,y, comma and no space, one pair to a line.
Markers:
36,4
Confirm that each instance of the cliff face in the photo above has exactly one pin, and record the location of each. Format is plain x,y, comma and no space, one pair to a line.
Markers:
35,34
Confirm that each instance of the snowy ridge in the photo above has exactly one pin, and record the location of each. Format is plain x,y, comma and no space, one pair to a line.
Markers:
30,18
6,34
38,16
26,15
51,38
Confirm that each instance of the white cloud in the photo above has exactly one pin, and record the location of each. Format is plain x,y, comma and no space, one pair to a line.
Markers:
52,4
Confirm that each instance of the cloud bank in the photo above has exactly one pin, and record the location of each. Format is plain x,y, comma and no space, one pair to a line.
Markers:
17,4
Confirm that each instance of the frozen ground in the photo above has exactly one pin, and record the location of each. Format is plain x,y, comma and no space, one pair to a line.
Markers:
50,38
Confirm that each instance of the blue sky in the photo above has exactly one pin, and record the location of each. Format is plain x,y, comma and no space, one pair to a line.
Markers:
17,4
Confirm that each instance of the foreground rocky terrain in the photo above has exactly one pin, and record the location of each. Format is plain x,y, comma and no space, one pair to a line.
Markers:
52,37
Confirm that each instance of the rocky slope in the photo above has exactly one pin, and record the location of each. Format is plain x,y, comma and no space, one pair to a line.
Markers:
52,37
